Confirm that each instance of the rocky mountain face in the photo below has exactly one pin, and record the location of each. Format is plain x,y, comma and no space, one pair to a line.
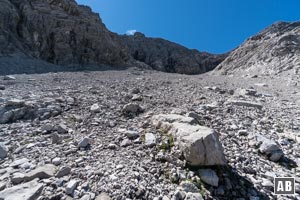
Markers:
163,55
59,32
62,33
274,50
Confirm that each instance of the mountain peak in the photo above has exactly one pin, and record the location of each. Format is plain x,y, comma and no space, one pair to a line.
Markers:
271,51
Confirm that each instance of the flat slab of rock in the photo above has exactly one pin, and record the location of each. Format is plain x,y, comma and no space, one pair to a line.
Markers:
26,191
18,162
9,78
103,196
245,103
42,172
15,102
200,145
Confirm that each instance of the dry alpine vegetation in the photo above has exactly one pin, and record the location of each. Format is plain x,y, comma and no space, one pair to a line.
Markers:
138,134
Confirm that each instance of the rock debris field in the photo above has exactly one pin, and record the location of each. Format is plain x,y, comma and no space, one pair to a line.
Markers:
138,134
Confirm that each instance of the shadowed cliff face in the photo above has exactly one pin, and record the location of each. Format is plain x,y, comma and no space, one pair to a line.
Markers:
63,33
272,51
166,56
59,32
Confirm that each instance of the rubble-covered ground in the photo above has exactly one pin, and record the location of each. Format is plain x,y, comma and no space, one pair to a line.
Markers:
89,135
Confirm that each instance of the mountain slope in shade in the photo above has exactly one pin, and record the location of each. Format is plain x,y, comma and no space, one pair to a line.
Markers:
272,51
63,33
57,31
167,56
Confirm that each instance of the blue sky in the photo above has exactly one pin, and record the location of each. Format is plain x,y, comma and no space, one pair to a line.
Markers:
215,26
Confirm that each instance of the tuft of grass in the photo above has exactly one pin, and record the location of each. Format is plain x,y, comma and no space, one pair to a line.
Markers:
167,145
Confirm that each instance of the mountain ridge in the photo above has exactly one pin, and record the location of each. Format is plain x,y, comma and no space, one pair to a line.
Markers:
63,33
271,51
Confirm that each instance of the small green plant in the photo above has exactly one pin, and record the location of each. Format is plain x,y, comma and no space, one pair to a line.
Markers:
167,144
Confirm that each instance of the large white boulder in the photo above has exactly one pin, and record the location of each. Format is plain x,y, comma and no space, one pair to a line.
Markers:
200,145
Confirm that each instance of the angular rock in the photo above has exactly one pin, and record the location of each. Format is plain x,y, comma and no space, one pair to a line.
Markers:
18,162
56,161
132,134
47,128
71,186
62,128
269,148
56,139
179,195
3,151
17,178
42,172
193,196
103,196
167,119
2,87
249,92
245,103
200,145
2,185
9,78
209,176
15,102
150,139
83,143
189,187
95,108
63,171
25,191
132,108
125,143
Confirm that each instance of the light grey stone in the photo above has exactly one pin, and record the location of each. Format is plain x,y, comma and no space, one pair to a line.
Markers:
25,191
9,78
56,161
103,196
200,145
269,148
132,134
71,186
95,108
150,139
193,196
18,162
41,172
